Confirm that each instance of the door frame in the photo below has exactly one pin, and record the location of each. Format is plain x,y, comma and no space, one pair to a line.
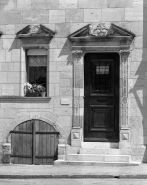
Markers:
77,131
104,140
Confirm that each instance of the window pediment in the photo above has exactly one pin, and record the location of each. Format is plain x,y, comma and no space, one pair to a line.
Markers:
35,31
101,33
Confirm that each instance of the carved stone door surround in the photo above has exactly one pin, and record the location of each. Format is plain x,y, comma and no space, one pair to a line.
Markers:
97,40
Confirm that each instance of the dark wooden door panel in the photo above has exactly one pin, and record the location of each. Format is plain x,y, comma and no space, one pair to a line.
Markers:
101,102
34,142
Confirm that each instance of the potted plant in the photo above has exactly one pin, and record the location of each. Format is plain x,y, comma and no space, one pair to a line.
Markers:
33,90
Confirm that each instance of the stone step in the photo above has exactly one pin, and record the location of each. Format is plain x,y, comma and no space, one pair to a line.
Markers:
94,163
104,151
101,145
98,158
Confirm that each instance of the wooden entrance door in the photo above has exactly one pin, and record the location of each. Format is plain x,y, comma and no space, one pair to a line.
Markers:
101,101
34,142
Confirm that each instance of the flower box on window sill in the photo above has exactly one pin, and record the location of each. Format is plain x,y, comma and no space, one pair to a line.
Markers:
35,94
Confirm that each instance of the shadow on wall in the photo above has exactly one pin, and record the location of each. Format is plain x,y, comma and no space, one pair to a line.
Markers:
138,92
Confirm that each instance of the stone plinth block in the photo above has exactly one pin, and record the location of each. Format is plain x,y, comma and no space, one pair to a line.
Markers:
76,136
6,152
56,16
74,15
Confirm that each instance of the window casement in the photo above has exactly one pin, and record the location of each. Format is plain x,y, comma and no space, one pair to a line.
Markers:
34,60
36,70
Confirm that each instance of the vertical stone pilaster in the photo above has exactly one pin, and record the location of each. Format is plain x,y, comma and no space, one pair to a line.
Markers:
77,56
124,130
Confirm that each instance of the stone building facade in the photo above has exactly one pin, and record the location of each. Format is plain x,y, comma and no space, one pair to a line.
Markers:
67,31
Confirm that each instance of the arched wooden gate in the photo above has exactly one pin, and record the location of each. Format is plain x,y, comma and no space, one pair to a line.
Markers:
34,142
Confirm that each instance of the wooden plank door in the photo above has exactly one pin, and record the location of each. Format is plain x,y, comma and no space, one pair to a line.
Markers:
101,101
34,142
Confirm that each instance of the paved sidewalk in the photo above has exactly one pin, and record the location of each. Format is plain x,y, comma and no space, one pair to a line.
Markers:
67,171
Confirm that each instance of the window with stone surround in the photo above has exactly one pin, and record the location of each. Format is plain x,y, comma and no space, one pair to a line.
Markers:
36,70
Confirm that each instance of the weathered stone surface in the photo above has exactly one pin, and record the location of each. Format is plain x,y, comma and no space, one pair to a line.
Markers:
133,14
65,83
63,43
93,15
66,75
60,55
111,14
16,55
3,29
138,42
13,77
65,91
74,15
10,29
13,17
56,16
57,102
54,77
35,17
7,5
62,29
64,66
54,43
6,67
137,55
52,66
76,26
65,4
2,55
136,25
63,111
16,66
44,4
120,3
24,5
92,4
3,77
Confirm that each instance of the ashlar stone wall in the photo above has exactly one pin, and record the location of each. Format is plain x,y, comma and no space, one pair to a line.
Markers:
65,17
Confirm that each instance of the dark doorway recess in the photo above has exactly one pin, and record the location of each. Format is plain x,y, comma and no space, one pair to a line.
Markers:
34,142
101,97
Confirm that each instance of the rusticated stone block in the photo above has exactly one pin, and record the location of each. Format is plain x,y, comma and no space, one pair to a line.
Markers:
136,25
66,75
10,29
16,55
62,29
3,77
45,4
64,82
63,111
35,17
111,14
92,15
56,16
54,77
65,91
7,5
120,3
74,15
66,4
92,3
6,66
62,66
2,55
134,14
24,5
137,55
10,17
13,77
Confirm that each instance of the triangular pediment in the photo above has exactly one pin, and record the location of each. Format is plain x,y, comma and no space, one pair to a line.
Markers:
35,31
101,30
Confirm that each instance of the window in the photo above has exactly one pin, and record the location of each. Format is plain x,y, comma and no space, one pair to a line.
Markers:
36,71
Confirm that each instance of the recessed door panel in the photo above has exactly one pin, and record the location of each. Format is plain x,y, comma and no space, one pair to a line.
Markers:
101,101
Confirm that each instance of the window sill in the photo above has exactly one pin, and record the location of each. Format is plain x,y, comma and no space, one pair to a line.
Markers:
24,99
